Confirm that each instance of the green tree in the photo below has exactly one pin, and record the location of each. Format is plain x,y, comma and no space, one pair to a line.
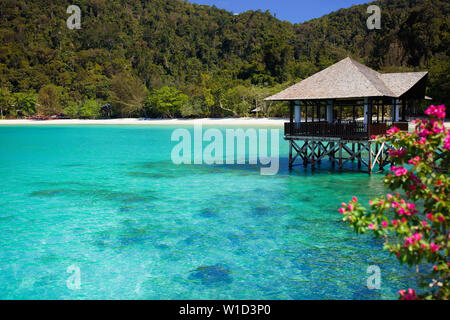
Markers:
6,101
72,110
90,109
49,100
166,102
127,95
25,102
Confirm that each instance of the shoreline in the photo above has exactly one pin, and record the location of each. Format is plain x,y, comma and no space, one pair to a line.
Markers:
268,122
276,122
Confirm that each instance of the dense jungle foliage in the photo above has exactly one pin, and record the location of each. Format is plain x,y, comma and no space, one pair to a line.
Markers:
172,58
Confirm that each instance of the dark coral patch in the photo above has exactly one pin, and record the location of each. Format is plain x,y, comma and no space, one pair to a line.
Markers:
212,275
49,193
209,212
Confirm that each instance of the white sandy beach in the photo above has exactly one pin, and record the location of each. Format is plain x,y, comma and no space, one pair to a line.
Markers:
275,122
267,122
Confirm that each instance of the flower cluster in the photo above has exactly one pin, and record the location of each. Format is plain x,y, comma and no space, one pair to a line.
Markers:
408,295
399,171
393,130
397,153
447,143
436,111
414,220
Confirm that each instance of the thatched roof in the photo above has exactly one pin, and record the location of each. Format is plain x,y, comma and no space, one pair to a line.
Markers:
350,79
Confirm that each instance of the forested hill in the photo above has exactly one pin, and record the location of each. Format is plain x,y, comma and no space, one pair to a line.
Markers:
171,58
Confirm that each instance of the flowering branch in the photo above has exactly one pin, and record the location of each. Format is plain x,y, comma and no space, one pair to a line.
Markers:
416,218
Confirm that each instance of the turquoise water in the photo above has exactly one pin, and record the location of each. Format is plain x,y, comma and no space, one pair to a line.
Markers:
108,200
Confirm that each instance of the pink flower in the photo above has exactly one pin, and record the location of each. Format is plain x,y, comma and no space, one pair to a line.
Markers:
399,171
351,207
437,127
393,130
408,241
417,237
394,222
429,216
395,204
438,112
410,295
441,219
384,224
424,133
371,227
424,223
434,247
389,196
422,141
447,142
355,199
342,210
414,161
396,153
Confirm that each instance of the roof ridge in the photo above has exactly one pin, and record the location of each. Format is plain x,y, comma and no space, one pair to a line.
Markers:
361,68
407,72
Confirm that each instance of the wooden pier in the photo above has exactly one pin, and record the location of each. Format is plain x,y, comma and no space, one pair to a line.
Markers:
313,150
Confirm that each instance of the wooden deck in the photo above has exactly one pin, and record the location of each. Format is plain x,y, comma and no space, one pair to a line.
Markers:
344,131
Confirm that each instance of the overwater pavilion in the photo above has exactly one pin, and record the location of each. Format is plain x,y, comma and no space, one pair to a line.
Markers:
339,109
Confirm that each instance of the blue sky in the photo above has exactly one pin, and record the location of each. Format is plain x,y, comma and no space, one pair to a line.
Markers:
291,10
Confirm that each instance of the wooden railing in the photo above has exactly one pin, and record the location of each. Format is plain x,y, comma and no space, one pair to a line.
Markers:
352,130
376,129
404,126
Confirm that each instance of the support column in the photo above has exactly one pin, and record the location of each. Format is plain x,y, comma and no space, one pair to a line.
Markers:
332,154
370,158
359,155
290,154
330,111
353,151
305,153
366,112
395,110
404,106
298,113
